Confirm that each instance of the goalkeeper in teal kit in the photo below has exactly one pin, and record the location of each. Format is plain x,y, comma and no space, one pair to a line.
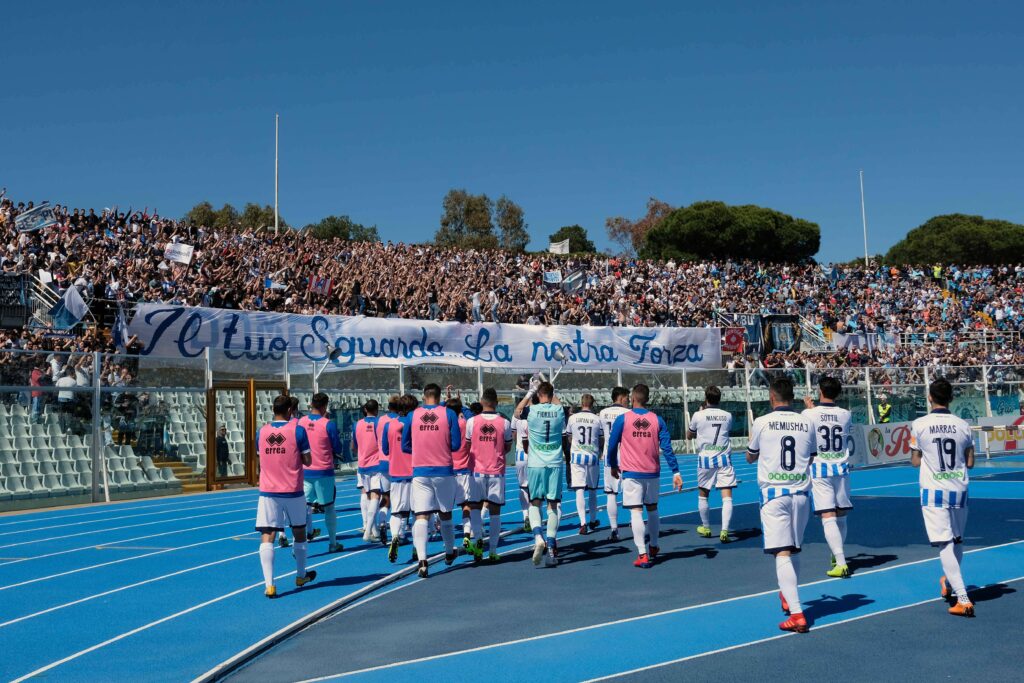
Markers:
545,465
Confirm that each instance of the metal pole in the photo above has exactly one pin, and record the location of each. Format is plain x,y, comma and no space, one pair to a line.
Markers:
927,387
97,421
750,409
863,217
287,374
276,124
479,380
618,378
209,368
984,384
316,379
401,379
686,407
871,409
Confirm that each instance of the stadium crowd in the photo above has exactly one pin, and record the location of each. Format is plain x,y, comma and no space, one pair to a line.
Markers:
114,255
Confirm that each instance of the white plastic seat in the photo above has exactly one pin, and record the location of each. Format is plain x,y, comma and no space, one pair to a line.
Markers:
65,467
70,482
16,486
36,487
167,474
54,486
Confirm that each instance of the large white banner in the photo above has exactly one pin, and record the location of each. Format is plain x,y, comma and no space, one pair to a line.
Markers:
178,252
176,331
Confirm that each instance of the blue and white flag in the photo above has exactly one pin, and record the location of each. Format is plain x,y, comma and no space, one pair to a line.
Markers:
120,330
270,283
552,277
69,311
37,218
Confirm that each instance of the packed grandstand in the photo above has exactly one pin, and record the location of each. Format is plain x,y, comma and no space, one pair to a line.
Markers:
932,315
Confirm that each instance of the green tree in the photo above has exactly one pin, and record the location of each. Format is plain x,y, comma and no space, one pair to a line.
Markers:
579,243
201,214
466,221
255,217
344,228
959,238
717,230
511,224
226,217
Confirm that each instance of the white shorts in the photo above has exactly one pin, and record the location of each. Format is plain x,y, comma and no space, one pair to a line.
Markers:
467,489
611,484
944,525
716,477
375,482
584,476
783,520
274,514
401,492
639,492
433,494
491,487
831,494
524,482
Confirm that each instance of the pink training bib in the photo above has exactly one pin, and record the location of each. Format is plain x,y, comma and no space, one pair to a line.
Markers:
320,447
431,437
487,443
399,462
280,460
462,459
639,448
368,451
381,423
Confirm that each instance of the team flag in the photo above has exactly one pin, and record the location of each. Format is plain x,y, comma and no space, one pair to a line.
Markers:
36,218
559,247
69,311
320,285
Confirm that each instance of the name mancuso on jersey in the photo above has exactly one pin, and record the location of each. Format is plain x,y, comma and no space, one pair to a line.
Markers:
712,426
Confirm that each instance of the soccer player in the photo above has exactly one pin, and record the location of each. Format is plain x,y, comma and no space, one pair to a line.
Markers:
324,444
400,469
830,469
283,449
371,470
384,516
637,437
620,405
546,425
489,435
781,444
311,533
467,497
711,427
943,449
432,437
585,437
522,443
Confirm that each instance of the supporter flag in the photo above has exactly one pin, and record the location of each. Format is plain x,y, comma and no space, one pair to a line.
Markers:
559,247
120,331
320,285
269,283
573,281
552,277
37,218
732,340
69,311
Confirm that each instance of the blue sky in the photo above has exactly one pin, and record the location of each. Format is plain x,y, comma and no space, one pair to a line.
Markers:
575,110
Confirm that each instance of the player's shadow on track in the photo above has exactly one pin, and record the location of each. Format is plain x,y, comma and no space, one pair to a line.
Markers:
867,561
745,534
704,551
586,552
828,605
335,582
993,592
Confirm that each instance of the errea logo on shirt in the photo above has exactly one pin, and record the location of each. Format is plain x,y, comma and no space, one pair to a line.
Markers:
487,429
429,418
642,423
275,439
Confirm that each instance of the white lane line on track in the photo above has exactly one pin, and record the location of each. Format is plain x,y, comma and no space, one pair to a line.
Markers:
627,620
739,646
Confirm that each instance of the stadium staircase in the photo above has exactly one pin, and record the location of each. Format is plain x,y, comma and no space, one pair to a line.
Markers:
191,481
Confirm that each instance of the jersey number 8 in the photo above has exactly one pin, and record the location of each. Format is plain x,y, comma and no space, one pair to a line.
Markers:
788,457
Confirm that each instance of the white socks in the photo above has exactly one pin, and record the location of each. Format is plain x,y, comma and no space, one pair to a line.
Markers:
396,526
476,522
787,571
834,538
841,521
538,530
726,513
331,519
364,502
371,516
524,503
309,521
448,535
467,526
267,562
653,526
581,505
383,515
495,531
300,558
591,506
613,511
553,519
636,521
951,568
702,507
419,538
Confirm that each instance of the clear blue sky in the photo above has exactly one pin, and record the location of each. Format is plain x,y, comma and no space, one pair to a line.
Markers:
576,110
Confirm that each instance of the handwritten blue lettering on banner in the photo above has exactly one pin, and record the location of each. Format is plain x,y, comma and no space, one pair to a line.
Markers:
184,332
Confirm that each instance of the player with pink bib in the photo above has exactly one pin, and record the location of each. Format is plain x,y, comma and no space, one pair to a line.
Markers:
432,436
283,448
400,469
324,444
489,436
637,438
372,471
384,514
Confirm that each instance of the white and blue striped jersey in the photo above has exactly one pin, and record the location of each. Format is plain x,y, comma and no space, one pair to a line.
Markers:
608,416
783,442
521,436
832,438
944,440
711,427
586,435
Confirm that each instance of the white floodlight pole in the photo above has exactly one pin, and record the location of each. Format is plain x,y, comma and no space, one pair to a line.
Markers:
277,121
863,217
